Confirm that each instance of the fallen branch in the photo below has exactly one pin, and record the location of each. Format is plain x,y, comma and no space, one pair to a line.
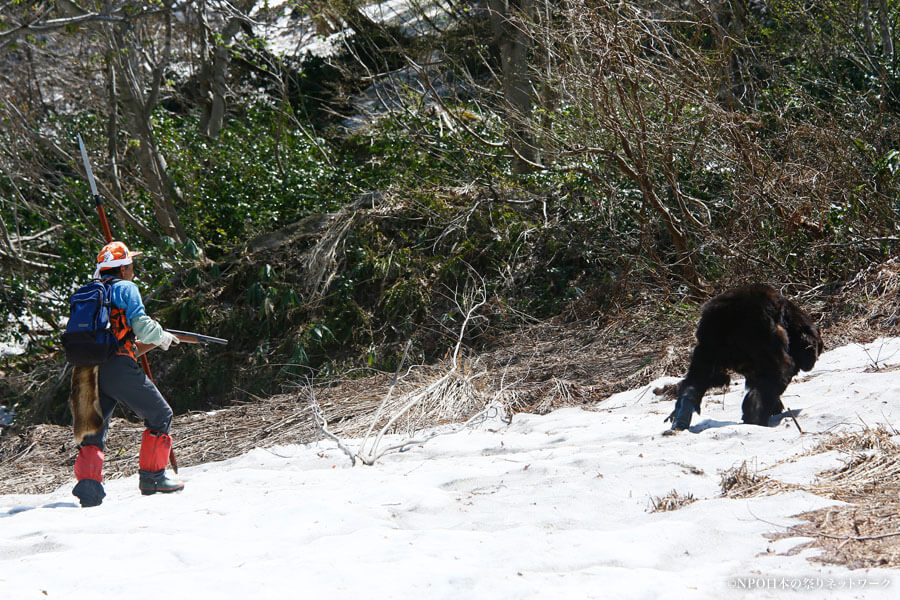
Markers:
492,410
790,412
387,397
323,424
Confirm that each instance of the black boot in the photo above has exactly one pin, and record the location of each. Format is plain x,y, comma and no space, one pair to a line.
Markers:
89,492
151,482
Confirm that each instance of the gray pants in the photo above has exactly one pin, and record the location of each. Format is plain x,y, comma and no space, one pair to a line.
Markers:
122,380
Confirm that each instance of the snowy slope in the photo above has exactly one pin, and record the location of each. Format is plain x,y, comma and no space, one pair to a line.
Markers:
551,506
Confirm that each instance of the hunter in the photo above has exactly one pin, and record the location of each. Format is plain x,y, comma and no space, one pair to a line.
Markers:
121,380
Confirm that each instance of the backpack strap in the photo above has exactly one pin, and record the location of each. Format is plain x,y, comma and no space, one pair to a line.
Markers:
109,282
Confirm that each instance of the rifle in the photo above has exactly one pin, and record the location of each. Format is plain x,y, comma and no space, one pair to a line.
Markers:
196,338
186,337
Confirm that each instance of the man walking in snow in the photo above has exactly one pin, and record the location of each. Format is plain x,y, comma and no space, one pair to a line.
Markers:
121,380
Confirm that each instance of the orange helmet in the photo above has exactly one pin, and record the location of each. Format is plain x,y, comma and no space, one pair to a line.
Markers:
114,254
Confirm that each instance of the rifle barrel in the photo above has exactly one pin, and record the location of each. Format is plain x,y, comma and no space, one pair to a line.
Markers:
204,339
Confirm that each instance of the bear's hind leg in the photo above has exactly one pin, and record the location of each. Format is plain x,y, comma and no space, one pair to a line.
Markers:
752,408
762,401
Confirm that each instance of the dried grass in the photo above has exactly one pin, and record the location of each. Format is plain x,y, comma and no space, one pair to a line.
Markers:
321,261
41,458
557,364
439,399
878,438
864,532
745,481
873,465
672,501
863,308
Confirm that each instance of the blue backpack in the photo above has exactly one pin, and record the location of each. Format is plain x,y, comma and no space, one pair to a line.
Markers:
89,339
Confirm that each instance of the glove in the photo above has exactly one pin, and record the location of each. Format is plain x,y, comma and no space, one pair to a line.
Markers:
168,340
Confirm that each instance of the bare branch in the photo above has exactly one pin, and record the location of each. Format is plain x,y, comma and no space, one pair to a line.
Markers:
451,379
319,417
387,397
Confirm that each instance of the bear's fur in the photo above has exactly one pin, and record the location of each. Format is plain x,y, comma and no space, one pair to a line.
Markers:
755,331
84,400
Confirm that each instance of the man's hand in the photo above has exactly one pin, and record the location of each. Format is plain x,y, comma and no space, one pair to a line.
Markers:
168,340
143,348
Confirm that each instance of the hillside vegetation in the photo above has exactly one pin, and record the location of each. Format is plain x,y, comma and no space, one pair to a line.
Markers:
568,162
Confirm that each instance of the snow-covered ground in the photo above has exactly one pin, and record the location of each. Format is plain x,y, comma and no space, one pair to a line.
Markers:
551,506
292,32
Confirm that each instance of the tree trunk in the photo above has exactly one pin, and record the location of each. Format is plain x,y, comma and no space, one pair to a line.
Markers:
212,80
887,42
867,27
139,108
729,21
514,44
213,72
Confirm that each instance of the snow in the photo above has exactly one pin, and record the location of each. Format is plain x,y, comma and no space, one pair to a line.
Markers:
8,345
414,17
10,349
553,506
291,32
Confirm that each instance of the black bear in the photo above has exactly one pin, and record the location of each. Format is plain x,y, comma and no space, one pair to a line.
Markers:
758,333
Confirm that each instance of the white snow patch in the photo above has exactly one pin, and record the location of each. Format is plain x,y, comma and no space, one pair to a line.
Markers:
413,17
292,32
9,349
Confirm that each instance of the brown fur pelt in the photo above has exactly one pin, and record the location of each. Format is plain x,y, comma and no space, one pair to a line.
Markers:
84,400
